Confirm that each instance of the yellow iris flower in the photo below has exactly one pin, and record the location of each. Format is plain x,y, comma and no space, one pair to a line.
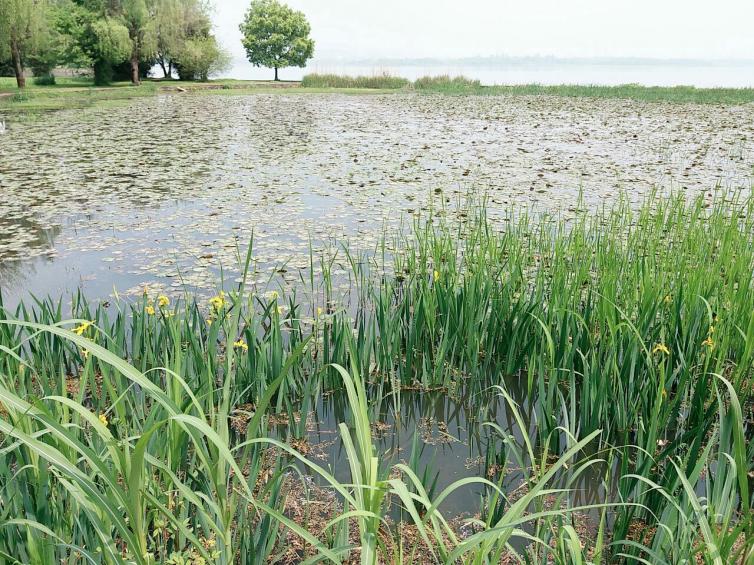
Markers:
661,348
79,330
218,302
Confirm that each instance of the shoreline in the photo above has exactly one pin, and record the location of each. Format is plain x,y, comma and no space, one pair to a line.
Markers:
78,93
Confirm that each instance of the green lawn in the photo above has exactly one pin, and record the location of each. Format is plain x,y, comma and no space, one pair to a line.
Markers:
81,93
67,93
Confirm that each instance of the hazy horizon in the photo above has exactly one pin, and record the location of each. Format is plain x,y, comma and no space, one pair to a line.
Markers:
533,59
582,29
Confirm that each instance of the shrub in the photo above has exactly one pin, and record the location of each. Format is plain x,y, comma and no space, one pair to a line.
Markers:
45,80
201,57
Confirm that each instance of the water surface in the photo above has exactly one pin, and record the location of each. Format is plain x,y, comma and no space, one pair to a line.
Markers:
166,191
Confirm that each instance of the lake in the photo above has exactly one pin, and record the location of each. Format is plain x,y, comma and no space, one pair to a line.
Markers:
92,199
162,195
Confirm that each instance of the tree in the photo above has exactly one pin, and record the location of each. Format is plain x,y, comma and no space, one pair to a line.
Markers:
46,55
95,36
276,36
22,23
178,22
110,44
168,33
199,58
137,16
109,33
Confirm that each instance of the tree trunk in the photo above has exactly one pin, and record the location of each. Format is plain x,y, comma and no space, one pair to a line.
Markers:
135,70
276,74
170,68
161,61
18,67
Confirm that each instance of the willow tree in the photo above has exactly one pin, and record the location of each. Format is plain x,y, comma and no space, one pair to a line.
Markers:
22,22
96,36
180,25
201,57
138,17
168,33
276,36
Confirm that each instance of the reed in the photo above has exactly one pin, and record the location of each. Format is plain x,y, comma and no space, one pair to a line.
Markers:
445,84
379,81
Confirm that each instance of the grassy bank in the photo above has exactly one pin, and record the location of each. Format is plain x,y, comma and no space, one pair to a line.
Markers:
680,94
463,85
142,432
71,93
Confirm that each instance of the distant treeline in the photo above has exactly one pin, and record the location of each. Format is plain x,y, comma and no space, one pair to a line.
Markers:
114,39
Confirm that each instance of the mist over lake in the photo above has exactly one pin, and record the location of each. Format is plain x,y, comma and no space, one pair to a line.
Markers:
550,71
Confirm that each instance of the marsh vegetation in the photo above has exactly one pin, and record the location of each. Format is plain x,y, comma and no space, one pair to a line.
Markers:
613,348
398,328
461,85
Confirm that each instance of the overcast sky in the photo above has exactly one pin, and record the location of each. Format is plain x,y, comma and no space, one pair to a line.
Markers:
353,29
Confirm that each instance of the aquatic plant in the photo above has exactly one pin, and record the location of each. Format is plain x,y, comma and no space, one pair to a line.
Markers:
140,432
446,83
380,80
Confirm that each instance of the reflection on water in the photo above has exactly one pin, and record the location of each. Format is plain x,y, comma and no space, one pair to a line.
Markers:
25,231
165,190
438,435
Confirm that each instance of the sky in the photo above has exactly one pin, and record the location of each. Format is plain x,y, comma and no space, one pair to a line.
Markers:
443,29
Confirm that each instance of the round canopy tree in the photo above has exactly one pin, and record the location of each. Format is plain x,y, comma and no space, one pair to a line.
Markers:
276,36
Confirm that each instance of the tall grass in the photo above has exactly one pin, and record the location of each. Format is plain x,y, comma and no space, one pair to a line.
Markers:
140,433
382,81
446,84
679,94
